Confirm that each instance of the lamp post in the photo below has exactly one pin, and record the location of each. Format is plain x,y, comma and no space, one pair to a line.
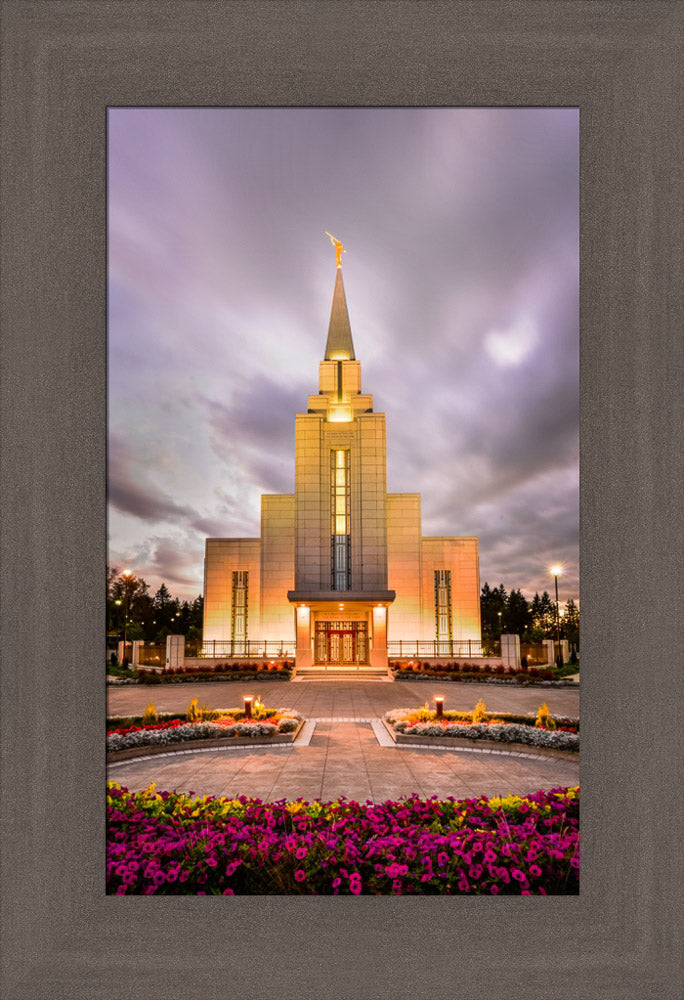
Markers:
556,571
126,574
118,621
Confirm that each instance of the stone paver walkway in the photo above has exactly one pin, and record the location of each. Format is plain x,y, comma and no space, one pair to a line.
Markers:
351,699
345,758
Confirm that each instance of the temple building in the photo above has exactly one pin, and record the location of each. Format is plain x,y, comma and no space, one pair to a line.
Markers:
341,567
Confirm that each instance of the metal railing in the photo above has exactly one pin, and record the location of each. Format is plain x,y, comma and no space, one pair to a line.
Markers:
152,655
241,649
535,653
436,648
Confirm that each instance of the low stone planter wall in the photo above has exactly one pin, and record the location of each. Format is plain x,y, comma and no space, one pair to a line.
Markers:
184,745
454,743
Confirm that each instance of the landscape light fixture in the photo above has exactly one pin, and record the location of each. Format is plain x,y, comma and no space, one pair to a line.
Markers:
247,702
439,706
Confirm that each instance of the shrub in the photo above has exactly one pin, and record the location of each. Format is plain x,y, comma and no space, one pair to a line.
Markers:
193,713
523,663
479,712
544,720
150,715
149,677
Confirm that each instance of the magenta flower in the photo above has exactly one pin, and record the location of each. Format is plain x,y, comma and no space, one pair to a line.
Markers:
299,875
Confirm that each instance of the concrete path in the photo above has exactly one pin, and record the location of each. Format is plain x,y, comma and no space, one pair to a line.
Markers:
335,699
345,758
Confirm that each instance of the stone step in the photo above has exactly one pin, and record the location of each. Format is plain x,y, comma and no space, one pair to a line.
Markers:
369,674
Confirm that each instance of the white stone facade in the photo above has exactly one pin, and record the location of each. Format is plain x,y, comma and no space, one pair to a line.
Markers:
341,566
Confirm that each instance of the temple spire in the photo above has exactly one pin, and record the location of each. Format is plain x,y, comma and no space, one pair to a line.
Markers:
339,346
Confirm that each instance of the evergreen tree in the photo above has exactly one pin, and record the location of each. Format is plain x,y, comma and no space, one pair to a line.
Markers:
571,623
517,615
493,607
548,615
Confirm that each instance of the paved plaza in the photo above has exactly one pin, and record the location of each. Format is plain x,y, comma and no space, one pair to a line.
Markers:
344,755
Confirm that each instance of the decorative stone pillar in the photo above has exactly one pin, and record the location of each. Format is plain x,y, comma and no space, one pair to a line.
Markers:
565,650
175,651
120,651
549,651
379,651
510,651
135,656
303,625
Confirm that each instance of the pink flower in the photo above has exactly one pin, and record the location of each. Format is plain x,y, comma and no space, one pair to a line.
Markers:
299,875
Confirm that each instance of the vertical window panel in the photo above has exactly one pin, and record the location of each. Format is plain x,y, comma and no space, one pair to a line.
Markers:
340,528
239,609
443,604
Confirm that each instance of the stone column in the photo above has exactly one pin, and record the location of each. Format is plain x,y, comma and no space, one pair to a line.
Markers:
120,651
565,650
175,651
379,651
549,650
303,650
135,656
510,651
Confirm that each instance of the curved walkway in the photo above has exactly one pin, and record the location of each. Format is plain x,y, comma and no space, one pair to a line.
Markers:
345,759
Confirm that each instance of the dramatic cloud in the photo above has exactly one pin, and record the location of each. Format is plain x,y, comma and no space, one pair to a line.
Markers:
461,274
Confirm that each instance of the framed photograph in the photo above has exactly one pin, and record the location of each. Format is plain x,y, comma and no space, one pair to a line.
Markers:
63,69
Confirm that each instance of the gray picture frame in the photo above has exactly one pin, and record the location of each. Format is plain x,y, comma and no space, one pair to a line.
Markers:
63,64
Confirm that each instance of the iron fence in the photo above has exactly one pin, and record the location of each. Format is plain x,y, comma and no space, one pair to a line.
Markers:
534,652
152,655
439,648
241,649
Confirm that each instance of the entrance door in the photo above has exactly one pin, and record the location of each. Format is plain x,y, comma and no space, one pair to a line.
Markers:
343,643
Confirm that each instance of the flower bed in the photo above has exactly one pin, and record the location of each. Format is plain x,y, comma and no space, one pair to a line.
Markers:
237,670
126,733
168,843
543,730
467,672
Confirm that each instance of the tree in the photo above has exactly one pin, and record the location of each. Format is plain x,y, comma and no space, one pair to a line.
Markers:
543,616
571,623
493,608
517,616
127,600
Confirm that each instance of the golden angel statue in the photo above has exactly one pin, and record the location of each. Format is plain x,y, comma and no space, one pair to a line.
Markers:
339,247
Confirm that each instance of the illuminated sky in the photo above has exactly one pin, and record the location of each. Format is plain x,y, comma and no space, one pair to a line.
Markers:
461,276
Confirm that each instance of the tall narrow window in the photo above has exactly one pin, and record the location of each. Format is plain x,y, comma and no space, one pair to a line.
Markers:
340,528
443,604
238,631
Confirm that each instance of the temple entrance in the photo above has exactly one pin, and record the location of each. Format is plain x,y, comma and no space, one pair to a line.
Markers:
341,643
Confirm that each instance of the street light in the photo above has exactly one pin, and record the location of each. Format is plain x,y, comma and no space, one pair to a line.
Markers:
126,574
556,571
118,619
